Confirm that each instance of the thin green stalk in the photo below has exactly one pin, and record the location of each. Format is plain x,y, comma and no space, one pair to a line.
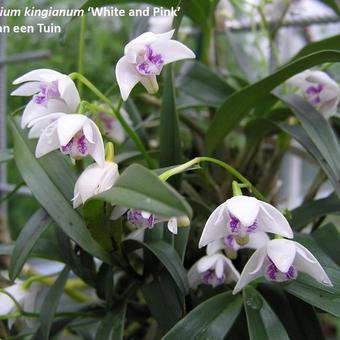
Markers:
81,52
183,167
116,113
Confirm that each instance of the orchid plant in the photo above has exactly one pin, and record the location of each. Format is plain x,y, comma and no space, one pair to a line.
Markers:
161,197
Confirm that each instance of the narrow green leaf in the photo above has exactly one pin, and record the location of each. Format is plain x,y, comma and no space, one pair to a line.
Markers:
318,129
170,141
199,86
212,319
313,210
164,301
28,237
168,257
112,326
140,188
50,305
6,156
6,249
262,321
316,46
301,136
328,238
51,184
325,298
106,232
236,107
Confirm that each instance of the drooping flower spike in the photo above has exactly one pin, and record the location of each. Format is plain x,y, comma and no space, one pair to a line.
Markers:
229,245
280,260
74,134
319,89
146,219
94,180
144,58
52,92
241,216
212,270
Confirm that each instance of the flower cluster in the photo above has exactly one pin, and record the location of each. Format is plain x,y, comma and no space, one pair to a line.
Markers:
52,117
241,222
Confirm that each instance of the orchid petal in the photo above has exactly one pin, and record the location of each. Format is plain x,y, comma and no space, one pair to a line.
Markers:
38,125
244,208
271,220
150,84
252,270
172,225
234,275
207,262
215,228
194,276
69,93
282,253
172,50
257,240
69,125
219,267
27,89
127,77
306,262
44,75
48,141
215,246
97,150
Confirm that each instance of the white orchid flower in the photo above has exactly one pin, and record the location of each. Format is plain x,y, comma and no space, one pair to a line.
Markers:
52,92
94,180
280,260
229,245
160,24
144,58
319,90
24,297
74,134
112,127
212,270
241,216
146,219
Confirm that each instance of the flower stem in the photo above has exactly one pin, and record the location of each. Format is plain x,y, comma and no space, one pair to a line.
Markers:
183,167
81,52
116,113
109,152
236,189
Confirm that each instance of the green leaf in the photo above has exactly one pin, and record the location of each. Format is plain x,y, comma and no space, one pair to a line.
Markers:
6,249
301,136
316,46
168,257
199,86
164,301
28,236
50,305
6,156
318,130
325,298
212,319
237,106
140,188
170,139
328,238
313,210
51,183
106,232
112,326
262,321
